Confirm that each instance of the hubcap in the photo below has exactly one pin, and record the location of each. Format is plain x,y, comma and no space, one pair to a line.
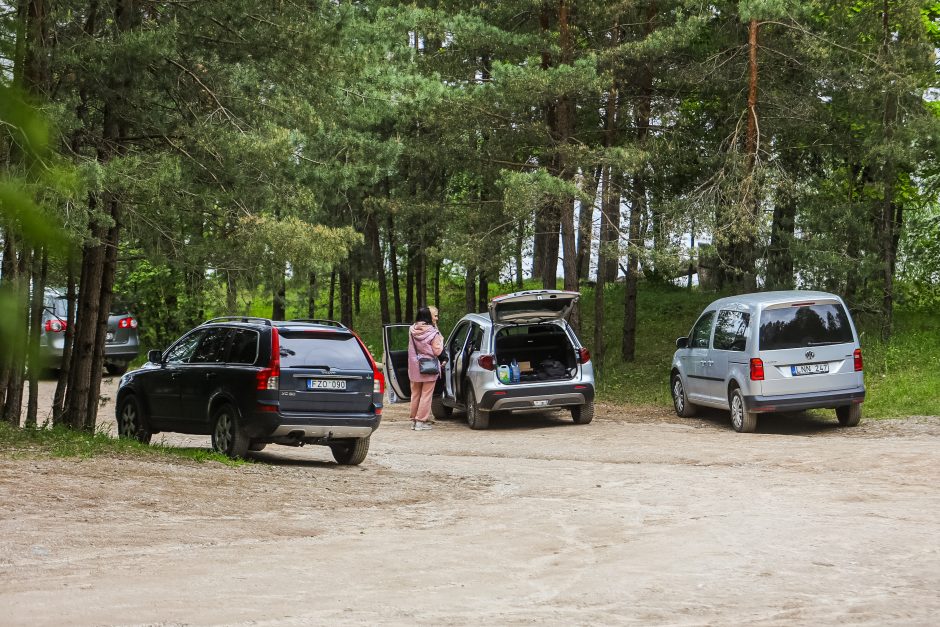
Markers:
677,395
737,411
222,432
128,420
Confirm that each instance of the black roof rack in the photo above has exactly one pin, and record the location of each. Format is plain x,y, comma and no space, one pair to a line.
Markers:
323,321
266,321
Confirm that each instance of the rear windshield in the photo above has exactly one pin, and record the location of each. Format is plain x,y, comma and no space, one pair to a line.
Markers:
804,325
336,351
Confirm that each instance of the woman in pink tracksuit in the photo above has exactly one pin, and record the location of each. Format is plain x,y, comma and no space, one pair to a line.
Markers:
424,341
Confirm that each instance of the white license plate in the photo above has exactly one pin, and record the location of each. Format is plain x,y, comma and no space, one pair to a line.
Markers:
809,369
326,384
109,337
540,403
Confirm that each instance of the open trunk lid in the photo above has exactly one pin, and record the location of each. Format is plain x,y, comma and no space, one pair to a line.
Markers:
532,306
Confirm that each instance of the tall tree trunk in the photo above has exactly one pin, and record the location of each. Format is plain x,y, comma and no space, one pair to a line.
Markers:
372,231
780,258
470,290
329,313
7,274
13,403
393,266
891,211
483,300
357,293
40,269
437,284
312,295
421,279
410,284
346,295
586,224
231,293
520,239
279,304
58,401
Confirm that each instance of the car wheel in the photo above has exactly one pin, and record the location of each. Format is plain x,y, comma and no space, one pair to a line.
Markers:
115,369
228,437
257,446
350,452
476,417
684,409
439,410
742,420
131,423
583,414
849,415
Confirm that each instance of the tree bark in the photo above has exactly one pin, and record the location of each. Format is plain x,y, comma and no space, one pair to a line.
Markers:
58,401
312,295
279,304
586,225
372,231
13,403
470,289
483,300
346,295
40,270
410,283
329,313
520,240
891,211
393,266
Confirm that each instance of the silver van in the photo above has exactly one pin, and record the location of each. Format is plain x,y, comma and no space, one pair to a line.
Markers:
529,328
770,351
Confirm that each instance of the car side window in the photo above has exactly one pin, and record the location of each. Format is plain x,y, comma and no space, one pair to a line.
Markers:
702,330
210,348
731,330
459,338
476,338
184,348
244,347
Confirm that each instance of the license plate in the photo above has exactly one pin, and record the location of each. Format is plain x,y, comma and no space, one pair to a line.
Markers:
109,337
326,384
809,369
540,403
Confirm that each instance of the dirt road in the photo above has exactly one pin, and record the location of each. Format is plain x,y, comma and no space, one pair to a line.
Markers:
637,518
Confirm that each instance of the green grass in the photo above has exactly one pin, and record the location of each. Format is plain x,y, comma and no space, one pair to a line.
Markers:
62,442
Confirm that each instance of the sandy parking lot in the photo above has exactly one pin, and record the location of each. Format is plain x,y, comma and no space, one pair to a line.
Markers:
637,518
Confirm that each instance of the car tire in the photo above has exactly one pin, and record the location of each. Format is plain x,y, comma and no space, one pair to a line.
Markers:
583,414
439,410
742,420
131,422
477,418
351,452
849,415
115,370
257,446
680,401
228,437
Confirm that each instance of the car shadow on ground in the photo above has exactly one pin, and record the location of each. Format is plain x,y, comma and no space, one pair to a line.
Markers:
519,421
807,423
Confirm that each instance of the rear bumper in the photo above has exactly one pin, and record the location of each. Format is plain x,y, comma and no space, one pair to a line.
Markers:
541,397
267,425
814,400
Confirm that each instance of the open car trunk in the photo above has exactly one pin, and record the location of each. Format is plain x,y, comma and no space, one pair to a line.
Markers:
543,351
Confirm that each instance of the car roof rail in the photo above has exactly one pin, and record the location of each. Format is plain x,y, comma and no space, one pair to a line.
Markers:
323,321
266,321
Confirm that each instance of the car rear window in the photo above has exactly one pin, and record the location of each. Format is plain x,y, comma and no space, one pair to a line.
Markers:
800,326
322,349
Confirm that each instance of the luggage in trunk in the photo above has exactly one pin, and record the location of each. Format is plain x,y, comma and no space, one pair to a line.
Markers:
543,352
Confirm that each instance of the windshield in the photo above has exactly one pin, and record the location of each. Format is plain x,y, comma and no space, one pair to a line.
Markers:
803,326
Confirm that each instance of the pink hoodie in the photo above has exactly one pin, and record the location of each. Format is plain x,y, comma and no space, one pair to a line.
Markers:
425,341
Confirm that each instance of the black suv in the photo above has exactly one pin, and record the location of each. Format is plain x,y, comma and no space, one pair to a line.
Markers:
250,382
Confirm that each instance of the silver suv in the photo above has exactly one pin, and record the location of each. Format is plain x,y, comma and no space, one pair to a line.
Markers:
528,328
770,351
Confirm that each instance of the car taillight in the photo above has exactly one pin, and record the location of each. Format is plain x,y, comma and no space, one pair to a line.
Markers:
584,355
858,359
269,378
378,379
757,370
487,362
127,323
55,326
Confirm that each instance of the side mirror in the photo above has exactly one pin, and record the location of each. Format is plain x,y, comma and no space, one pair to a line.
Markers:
682,342
155,357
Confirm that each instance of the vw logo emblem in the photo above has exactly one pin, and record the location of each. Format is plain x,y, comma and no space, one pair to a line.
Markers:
810,354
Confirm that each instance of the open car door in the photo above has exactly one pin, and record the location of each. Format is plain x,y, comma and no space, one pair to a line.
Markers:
395,359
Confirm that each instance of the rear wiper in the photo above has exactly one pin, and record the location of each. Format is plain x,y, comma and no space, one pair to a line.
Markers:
311,366
823,343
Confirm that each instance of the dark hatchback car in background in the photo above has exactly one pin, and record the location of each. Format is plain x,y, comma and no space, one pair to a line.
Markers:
250,382
122,345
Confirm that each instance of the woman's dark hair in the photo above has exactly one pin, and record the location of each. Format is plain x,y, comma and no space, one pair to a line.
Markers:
424,315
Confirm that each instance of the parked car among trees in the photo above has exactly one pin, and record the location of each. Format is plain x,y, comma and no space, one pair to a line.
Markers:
528,329
770,351
250,382
122,344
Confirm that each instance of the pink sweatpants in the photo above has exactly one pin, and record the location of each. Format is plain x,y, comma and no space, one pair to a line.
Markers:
421,394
